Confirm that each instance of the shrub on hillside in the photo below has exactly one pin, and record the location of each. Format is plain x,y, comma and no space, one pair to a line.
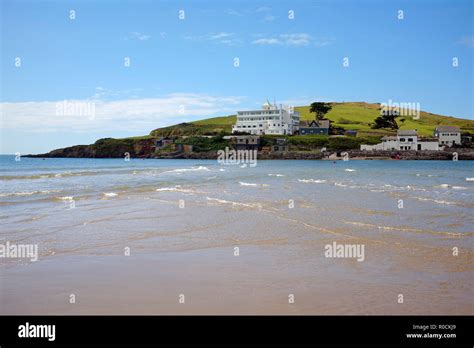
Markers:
205,144
110,147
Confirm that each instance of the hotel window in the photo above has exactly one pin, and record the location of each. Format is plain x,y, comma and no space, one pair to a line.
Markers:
410,139
402,139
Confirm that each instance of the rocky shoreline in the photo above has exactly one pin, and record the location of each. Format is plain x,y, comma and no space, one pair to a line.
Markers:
462,154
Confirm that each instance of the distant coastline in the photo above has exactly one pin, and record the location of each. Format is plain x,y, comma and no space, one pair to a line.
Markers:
463,154
340,127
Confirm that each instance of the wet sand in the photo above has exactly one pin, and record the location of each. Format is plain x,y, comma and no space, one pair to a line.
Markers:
190,249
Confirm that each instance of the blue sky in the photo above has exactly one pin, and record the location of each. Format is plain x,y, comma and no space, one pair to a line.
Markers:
183,69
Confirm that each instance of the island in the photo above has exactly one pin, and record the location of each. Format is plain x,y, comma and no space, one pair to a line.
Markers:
320,131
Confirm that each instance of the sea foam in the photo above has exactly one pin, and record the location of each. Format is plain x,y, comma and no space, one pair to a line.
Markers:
251,184
315,181
193,169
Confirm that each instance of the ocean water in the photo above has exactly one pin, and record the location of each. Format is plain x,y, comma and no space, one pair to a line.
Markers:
183,219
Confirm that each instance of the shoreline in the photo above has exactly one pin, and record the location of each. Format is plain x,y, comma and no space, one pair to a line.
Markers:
129,238
334,155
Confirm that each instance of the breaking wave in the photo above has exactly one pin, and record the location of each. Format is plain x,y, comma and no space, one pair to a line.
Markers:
28,193
315,181
251,184
223,201
176,188
193,169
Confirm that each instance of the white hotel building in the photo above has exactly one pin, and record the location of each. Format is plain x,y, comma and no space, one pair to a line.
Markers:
271,119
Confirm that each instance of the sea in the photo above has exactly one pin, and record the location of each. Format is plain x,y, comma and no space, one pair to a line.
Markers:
132,236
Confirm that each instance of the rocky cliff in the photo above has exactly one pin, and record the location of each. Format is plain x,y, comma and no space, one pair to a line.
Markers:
106,148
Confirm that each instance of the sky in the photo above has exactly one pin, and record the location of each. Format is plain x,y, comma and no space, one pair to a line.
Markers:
76,71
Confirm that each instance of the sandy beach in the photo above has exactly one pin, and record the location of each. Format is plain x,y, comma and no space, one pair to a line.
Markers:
181,222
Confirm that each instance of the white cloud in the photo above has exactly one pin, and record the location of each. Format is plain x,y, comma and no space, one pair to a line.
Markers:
320,42
140,115
135,35
269,18
263,9
296,39
301,39
232,12
221,38
106,93
272,41
467,41
220,35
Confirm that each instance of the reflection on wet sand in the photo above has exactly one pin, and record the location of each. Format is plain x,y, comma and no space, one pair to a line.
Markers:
236,248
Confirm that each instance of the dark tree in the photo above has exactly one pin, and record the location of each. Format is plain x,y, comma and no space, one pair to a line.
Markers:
320,109
387,119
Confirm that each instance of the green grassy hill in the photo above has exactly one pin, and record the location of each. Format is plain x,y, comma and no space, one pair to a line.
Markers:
209,126
350,115
358,116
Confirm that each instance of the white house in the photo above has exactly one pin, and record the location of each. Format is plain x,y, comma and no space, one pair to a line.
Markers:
448,135
405,140
390,143
271,119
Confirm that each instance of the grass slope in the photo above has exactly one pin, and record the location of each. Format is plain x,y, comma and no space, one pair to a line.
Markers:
210,126
358,116
350,115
